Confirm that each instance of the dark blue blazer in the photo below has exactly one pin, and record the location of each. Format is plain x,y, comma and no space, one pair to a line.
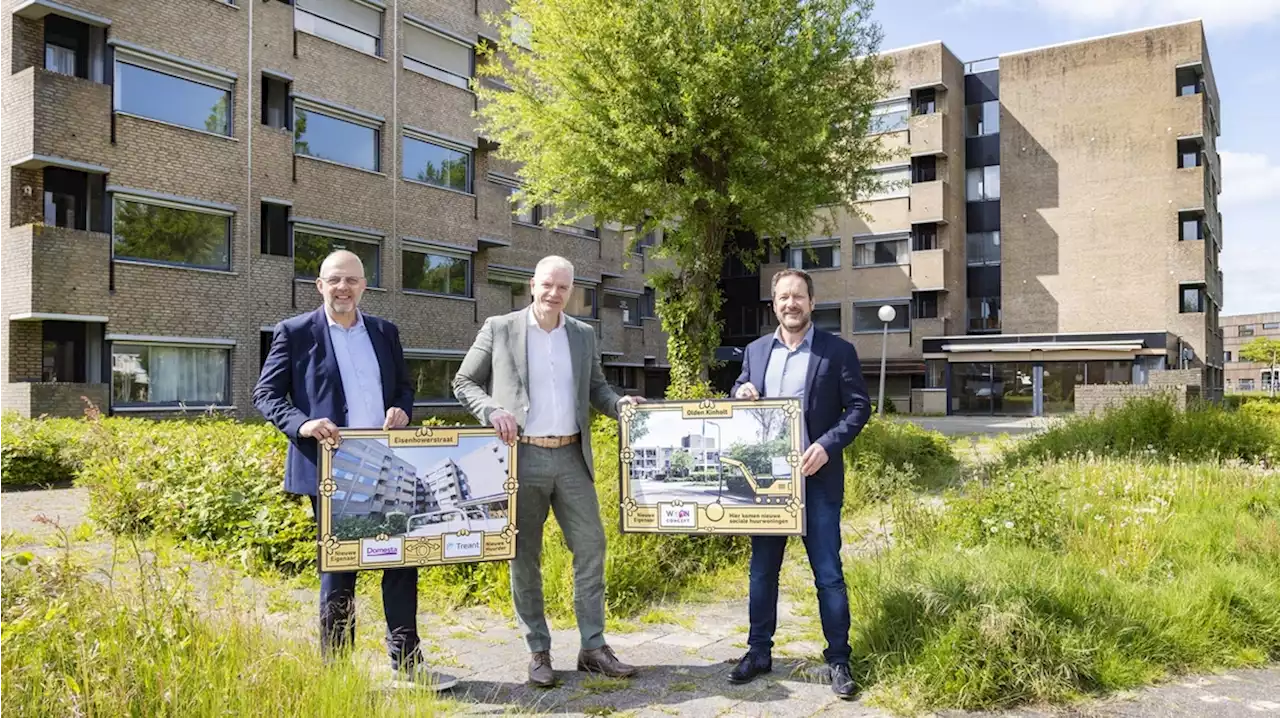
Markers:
836,404
300,381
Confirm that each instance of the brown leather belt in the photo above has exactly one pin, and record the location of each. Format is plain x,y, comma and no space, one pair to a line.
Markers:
549,442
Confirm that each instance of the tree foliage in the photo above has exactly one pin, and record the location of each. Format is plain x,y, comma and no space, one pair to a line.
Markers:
704,118
1263,350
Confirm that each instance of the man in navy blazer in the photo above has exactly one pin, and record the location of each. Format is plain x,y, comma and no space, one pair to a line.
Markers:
339,367
799,360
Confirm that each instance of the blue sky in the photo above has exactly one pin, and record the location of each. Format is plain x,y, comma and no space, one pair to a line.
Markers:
1244,47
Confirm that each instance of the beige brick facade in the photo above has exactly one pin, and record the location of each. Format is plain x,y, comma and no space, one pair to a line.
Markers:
63,274
1237,331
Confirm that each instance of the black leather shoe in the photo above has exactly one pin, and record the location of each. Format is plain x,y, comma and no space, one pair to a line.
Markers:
751,665
841,681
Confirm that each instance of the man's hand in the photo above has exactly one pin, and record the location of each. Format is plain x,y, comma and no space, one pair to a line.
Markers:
748,391
396,418
629,399
815,457
505,423
321,430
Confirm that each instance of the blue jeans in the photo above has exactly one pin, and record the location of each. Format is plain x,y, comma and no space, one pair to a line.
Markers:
823,500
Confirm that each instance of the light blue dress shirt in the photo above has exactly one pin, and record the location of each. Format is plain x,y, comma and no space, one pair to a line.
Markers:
361,376
787,371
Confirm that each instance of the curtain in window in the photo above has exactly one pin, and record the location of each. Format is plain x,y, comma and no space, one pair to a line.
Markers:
187,374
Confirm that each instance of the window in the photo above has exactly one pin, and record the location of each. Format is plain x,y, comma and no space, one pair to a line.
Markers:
74,48
584,226
982,249
630,307
1270,326
436,163
436,272
935,373
821,257
1246,385
62,351
1226,357
1190,80
264,347
437,55
866,317
925,305
521,32
170,233
312,245
274,227
924,169
275,103
622,377
1190,152
875,252
582,302
432,378
925,102
1192,225
168,375
169,92
1193,299
889,117
73,199
522,211
325,134
827,319
982,119
984,314
893,182
1245,330
352,23
982,183
649,307
1267,381
518,291
924,236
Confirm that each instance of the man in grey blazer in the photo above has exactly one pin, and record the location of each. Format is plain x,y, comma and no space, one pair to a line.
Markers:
533,375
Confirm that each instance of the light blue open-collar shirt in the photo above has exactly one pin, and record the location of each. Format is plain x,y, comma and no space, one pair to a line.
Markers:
361,375
787,371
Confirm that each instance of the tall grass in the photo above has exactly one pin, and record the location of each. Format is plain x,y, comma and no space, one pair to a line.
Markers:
1046,582
887,454
1156,428
143,644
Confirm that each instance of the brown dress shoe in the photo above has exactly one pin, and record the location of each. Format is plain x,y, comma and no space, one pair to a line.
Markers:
602,660
540,673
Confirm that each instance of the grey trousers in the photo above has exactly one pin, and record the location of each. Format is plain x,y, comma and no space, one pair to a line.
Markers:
557,479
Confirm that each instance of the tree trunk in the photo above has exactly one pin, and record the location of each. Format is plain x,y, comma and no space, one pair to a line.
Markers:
690,312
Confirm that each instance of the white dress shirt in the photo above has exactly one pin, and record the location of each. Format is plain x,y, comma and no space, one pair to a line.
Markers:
553,407
361,376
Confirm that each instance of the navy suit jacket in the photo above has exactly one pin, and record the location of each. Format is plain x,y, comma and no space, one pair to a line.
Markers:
300,381
836,403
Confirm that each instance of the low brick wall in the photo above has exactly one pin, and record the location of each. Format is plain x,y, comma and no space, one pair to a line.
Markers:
53,399
1176,377
1095,398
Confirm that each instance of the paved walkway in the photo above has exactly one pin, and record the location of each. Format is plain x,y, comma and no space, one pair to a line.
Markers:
683,667
979,425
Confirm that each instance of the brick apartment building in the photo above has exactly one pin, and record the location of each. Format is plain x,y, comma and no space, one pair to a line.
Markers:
174,171
1237,331
1051,221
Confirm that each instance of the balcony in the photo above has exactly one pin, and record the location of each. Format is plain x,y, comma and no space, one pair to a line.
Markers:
54,115
900,346
930,202
936,327
54,270
928,133
929,269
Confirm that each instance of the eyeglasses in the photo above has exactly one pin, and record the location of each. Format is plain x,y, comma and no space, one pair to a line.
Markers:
347,281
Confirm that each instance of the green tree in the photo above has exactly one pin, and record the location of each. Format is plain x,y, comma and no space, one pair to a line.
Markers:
638,427
681,462
1264,350
217,119
759,457
708,119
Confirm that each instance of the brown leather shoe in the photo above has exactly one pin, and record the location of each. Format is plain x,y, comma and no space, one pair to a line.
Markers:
602,660
541,674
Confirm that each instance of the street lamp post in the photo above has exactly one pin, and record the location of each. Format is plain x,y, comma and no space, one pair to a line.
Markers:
886,314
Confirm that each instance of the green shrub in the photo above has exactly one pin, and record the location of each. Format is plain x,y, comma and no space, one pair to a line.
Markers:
1081,576
1155,428
887,454
40,452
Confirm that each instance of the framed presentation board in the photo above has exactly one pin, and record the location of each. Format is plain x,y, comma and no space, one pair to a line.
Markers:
417,496
712,466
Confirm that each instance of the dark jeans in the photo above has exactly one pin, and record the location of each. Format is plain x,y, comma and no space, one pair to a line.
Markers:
823,500
399,603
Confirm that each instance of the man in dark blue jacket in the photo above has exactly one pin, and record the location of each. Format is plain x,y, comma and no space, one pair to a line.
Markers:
822,370
338,367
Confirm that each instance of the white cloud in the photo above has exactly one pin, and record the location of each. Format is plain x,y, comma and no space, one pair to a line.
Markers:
1248,178
1220,14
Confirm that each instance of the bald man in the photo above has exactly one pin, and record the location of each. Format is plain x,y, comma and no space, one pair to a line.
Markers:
534,375
339,367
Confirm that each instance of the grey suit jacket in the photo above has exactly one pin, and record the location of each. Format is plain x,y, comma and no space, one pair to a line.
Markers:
495,373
